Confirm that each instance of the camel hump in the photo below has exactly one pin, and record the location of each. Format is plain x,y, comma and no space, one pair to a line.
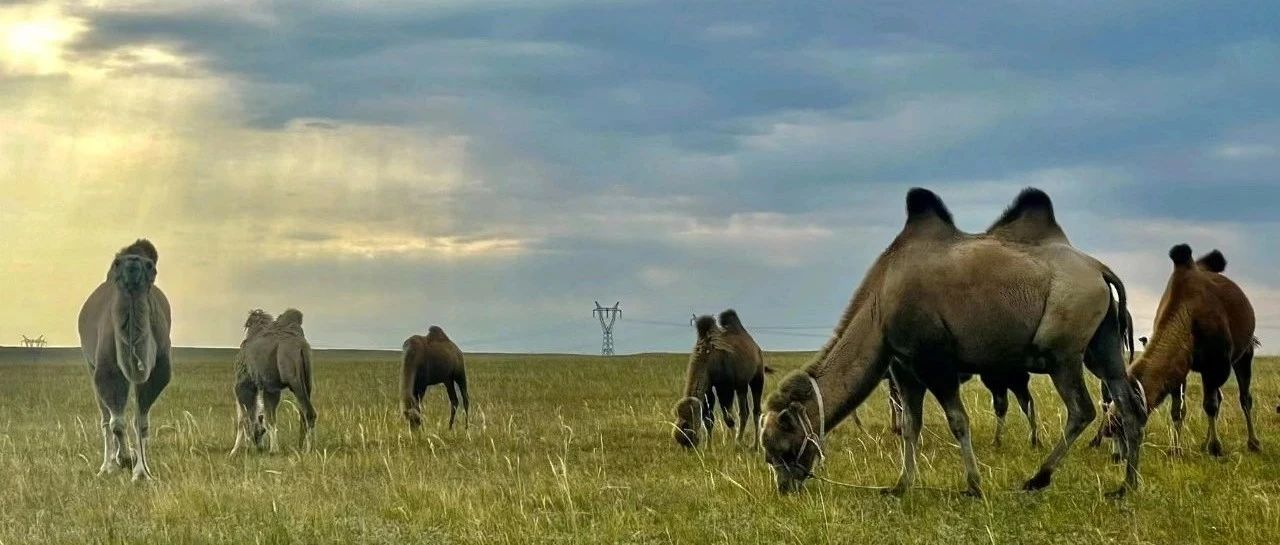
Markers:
923,205
290,317
1213,262
729,319
1181,255
1029,220
436,333
142,247
704,325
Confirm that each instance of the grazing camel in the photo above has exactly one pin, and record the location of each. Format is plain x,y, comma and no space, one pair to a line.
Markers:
124,334
432,359
1205,324
274,356
939,302
725,363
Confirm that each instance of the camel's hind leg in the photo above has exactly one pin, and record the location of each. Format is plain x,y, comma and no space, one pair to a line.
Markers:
1068,379
306,418
744,412
727,395
948,395
453,401
911,392
1178,413
246,415
147,394
461,383
1244,375
757,390
999,404
1213,381
270,402
1021,389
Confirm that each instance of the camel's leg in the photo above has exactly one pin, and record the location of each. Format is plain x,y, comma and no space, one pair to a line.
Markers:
1105,407
147,393
113,394
306,418
709,413
999,404
1212,402
246,414
453,401
726,396
461,382
1022,392
757,390
895,408
419,391
109,445
1244,375
1178,413
949,396
1068,379
744,412
911,391
271,401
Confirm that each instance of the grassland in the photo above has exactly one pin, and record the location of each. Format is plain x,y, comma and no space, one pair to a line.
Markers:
574,449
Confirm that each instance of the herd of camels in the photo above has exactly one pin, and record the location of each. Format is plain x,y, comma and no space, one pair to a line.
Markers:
938,306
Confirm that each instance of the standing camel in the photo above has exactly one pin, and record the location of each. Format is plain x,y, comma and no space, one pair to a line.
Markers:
939,302
726,363
124,334
432,359
1205,324
274,356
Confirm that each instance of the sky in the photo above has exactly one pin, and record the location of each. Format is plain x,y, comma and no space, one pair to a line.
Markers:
497,166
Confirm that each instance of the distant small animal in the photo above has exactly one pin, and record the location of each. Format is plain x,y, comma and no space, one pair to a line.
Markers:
725,363
124,335
1204,324
432,359
274,356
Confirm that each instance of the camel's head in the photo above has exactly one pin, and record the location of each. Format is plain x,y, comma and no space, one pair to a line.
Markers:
689,412
258,431
133,274
791,445
1111,423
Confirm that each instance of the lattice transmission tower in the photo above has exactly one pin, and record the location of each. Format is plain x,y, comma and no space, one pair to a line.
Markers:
608,316
36,345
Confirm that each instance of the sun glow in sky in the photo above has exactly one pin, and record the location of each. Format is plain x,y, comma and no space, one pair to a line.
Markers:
495,167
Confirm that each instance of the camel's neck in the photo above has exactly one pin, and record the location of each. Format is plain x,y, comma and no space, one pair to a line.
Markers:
850,370
135,347
1166,361
697,378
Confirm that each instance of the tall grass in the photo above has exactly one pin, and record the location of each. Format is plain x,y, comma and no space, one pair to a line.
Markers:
578,450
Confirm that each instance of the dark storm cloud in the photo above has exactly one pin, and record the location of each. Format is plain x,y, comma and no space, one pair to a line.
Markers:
824,113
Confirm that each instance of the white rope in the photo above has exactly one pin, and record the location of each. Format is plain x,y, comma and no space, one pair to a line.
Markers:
822,414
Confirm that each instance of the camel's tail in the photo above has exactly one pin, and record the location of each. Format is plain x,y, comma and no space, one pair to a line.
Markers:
306,369
1122,313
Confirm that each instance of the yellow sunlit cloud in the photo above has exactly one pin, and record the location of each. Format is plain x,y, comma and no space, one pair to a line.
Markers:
33,39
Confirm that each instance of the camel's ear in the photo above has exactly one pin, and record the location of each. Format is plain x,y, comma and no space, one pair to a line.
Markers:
1181,255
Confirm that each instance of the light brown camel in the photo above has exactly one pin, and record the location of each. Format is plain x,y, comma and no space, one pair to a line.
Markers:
939,302
725,363
432,359
1205,324
273,357
124,334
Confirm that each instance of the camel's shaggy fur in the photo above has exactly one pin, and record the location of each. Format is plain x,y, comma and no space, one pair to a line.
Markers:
725,363
274,356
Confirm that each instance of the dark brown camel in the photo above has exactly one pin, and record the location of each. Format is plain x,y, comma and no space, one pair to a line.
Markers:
939,302
725,363
1205,324
428,360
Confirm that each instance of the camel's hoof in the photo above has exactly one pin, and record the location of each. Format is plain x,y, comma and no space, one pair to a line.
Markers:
125,461
108,468
1115,457
141,476
973,492
1255,445
1038,482
1118,493
996,442
1214,448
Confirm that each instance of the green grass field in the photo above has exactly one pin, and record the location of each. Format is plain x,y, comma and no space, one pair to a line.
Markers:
575,449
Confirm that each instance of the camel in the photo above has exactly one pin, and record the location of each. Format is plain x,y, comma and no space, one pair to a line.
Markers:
725,363
274,356
124,333
428,360
1204,323
939,302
